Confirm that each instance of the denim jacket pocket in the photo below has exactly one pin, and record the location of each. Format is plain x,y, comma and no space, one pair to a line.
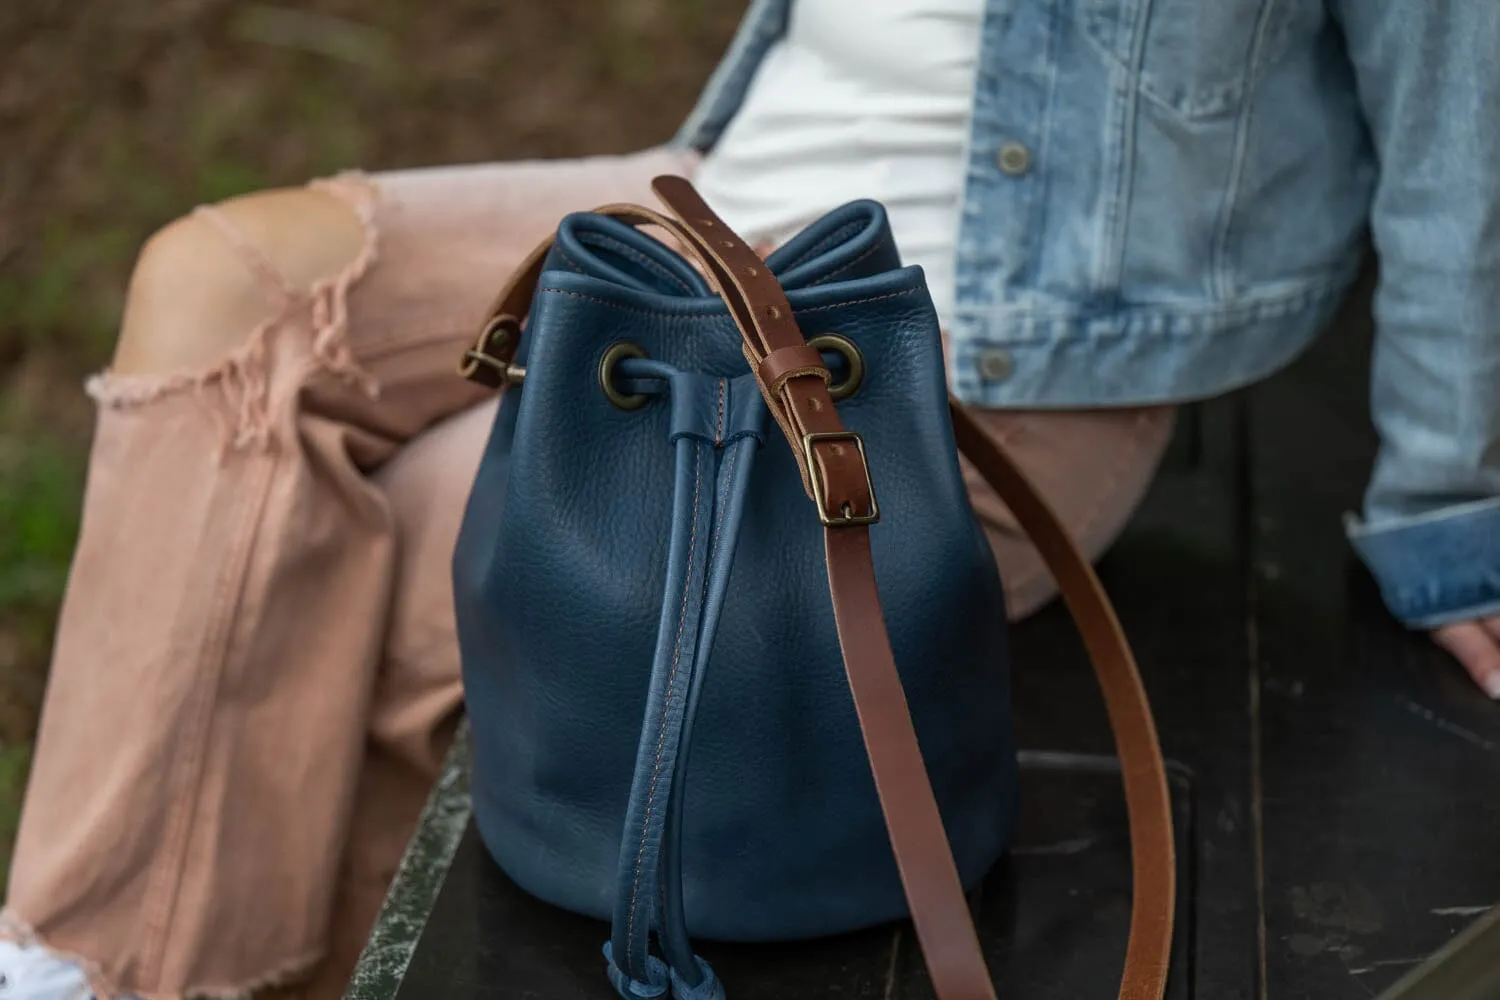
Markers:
1195,58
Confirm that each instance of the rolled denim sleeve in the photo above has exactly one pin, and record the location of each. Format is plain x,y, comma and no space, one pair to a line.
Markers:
1436,568
1428,78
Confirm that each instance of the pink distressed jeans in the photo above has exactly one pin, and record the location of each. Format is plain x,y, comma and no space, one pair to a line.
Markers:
255,674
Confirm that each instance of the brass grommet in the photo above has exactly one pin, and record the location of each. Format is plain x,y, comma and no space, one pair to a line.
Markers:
613,355
844,347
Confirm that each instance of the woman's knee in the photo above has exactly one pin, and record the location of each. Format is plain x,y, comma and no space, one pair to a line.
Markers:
200,288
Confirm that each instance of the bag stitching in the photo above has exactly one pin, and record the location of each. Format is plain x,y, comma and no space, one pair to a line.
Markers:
719,423
661,735
860,302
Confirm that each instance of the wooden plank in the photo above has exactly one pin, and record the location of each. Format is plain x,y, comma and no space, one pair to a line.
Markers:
1463,969
1380,760
1054,917
421,876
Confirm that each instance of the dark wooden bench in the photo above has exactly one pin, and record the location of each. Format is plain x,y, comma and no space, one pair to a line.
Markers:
1335,777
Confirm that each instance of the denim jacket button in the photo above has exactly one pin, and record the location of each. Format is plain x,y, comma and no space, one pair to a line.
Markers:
995,364
1014,159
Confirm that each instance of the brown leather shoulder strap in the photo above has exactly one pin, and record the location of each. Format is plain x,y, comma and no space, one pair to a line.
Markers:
1142,770
836,476
939,912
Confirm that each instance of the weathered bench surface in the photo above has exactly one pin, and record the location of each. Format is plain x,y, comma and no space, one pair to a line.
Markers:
1335,777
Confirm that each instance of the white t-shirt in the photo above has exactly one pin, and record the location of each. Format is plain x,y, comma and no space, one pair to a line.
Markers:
860,99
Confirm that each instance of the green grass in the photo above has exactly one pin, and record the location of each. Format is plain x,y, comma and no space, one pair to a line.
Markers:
14,764
39,502
39,508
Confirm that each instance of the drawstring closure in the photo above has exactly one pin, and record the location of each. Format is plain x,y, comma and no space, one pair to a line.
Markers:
717,426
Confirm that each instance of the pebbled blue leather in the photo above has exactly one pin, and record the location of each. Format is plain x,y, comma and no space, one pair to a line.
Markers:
716,426
561,565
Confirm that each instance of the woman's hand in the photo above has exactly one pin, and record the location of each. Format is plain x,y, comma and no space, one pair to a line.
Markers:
1475,644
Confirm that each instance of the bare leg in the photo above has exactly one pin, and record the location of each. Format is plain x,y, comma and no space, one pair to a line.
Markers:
192,299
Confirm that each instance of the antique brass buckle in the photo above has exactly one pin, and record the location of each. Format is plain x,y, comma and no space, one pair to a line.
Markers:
846,517
495,335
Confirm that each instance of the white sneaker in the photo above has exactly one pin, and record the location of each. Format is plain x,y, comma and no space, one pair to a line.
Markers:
31,972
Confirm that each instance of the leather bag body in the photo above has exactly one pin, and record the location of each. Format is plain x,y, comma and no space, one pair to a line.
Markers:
559,578
733,641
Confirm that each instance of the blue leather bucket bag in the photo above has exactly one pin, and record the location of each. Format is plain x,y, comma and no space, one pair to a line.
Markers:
693,712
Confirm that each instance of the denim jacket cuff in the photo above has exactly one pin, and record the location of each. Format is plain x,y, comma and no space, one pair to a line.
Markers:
1435,568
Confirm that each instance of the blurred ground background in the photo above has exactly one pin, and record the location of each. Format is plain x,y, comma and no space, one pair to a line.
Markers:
118,115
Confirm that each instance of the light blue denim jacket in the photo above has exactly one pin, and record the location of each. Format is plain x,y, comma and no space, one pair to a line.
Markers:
1166,199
